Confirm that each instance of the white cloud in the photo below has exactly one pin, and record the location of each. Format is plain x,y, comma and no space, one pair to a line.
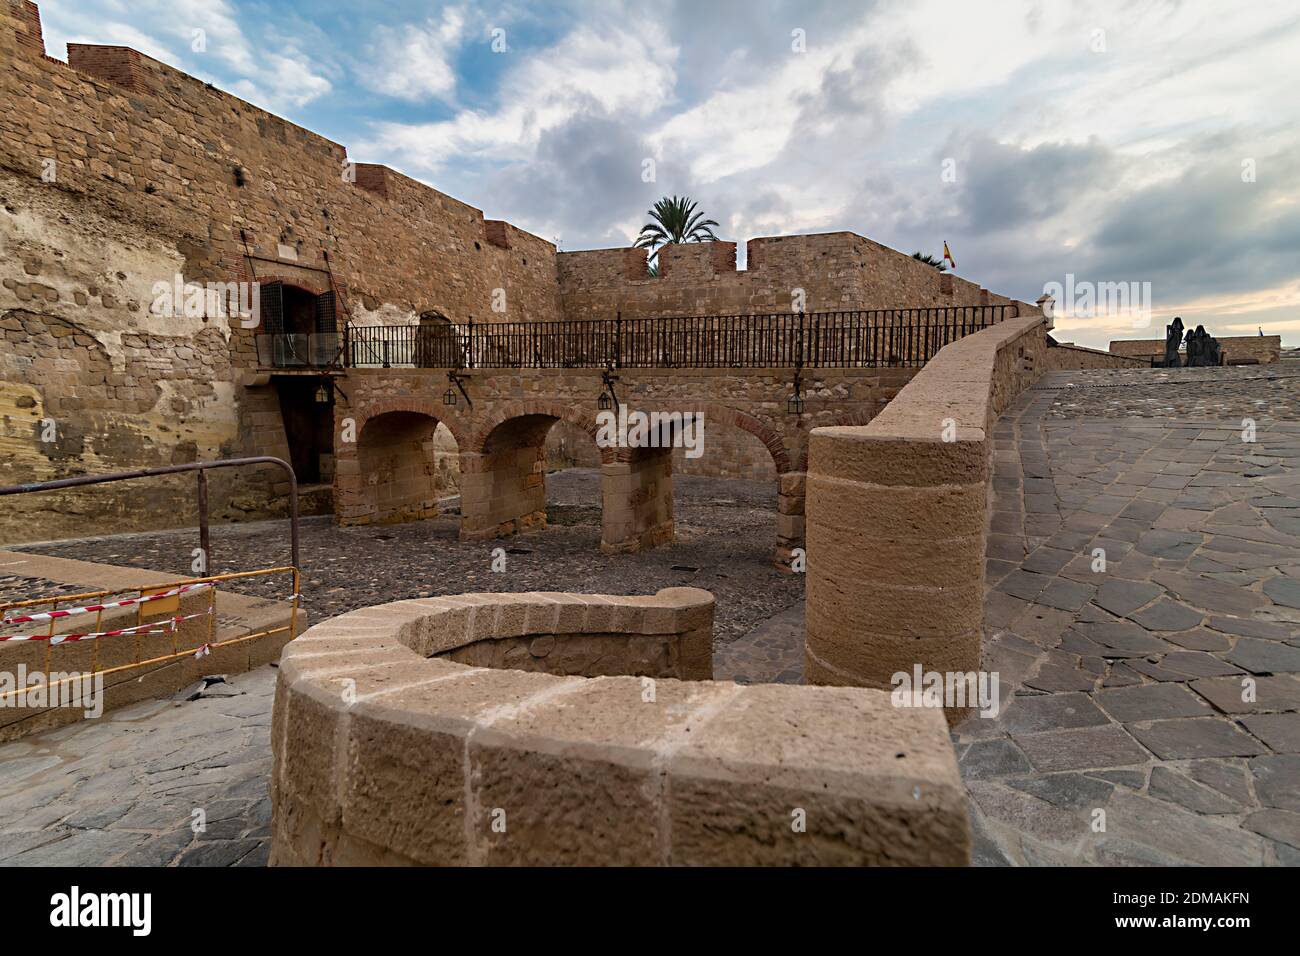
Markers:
848,135
415,63
623,68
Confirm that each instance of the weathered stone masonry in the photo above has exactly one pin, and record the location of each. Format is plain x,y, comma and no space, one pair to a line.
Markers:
156,174
587,767
390,472
118,173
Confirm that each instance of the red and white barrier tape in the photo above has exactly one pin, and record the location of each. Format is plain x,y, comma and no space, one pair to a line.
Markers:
161,626
93,608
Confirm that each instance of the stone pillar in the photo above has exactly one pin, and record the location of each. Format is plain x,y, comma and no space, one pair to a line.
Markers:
896,526
502,492
353,501
789,517
637,501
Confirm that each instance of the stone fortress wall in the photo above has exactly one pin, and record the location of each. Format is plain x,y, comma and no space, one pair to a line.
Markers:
154,173
118,172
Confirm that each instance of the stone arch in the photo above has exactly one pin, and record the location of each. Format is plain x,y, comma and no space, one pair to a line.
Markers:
789,486
504,479
770,438
556,411
396,469
363,413
306,283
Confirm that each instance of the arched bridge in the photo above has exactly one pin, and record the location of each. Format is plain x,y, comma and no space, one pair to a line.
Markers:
500,388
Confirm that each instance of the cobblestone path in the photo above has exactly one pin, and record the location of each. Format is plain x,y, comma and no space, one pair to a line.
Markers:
1152,709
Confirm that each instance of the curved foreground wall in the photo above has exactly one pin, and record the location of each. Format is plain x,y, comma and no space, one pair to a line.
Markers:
389,750
912,486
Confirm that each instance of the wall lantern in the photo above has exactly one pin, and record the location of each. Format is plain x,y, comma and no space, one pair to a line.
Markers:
608,397
322,394
449,396
794,404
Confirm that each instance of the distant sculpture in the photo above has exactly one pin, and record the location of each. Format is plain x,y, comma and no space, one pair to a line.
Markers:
1202,349
1173,338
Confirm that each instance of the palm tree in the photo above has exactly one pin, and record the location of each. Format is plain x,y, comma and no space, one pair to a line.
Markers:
930,260
675,220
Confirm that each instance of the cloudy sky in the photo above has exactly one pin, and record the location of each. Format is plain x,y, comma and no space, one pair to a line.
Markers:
1129,142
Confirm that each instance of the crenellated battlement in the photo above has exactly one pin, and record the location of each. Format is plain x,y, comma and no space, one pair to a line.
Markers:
818,272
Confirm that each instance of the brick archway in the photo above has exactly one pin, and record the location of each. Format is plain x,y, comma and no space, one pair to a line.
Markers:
770,438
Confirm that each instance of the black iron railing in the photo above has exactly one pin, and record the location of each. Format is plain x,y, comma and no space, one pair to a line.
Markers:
849,339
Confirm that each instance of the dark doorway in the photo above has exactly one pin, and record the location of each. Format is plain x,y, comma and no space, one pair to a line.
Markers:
307,407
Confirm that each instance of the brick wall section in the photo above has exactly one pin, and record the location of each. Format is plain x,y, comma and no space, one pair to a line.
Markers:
497,232
373,177
1237,349
432,752
27,25
118,65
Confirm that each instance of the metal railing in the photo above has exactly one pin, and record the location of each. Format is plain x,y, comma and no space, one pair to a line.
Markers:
202,467
156,638
847,339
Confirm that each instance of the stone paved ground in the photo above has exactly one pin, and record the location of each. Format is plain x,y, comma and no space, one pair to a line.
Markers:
123,789
1124,687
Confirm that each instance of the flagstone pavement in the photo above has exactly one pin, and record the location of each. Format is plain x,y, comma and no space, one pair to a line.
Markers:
1143,613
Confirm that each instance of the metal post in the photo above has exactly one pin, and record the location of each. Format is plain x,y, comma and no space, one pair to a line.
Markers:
205,542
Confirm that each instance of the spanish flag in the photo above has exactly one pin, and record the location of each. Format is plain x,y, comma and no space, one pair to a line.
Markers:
948,255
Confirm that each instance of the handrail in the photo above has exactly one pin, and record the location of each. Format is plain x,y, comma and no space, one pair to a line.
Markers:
202,468
857,338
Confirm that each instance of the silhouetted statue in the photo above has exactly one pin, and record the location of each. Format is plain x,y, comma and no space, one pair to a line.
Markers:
1213,354
1193,343
1202,349
1173,338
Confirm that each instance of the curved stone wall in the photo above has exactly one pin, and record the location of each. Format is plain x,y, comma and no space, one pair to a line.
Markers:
897,516
389,750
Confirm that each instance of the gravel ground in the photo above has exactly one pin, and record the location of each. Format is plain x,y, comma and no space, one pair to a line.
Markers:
726,533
